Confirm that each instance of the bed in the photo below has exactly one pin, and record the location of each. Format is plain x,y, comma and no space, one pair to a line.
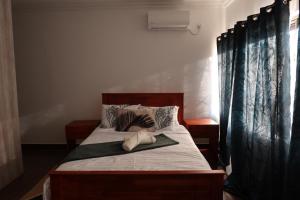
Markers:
173,172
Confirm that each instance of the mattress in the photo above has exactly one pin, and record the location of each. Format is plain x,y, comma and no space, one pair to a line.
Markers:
184,156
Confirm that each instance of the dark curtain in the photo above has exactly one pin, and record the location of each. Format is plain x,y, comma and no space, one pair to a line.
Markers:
256,92
293,179
225,47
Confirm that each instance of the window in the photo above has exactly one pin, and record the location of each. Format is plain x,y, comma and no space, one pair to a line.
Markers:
294,25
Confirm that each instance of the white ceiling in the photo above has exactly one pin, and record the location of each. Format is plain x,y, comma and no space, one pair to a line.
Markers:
125,2
120,0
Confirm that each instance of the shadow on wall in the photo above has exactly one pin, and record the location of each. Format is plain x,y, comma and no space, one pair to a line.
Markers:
65,59
196,80
53,118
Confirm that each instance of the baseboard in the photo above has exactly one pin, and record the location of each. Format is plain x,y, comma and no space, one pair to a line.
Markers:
44,147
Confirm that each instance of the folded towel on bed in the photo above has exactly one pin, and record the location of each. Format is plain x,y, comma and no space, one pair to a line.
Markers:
141,137
114,148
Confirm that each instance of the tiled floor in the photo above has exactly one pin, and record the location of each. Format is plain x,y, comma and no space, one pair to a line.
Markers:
227,196
36,164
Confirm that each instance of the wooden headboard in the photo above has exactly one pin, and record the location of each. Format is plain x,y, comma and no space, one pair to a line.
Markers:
146,99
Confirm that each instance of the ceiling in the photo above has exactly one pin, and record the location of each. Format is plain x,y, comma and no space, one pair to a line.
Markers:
122,2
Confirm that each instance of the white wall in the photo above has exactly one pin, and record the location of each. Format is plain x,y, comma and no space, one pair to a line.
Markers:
66,57
238,10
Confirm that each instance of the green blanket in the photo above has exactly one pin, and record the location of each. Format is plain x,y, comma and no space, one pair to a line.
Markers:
114,148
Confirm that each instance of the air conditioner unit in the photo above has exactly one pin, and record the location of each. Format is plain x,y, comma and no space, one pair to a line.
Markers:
168,20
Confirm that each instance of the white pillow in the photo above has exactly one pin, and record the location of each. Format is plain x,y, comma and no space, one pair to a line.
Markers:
165,116
110,114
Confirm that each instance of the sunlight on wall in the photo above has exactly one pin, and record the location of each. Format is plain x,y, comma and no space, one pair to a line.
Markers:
41,120
214,106
294,13
197,90
293,60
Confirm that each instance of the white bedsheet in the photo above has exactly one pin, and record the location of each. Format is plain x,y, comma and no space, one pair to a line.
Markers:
184,156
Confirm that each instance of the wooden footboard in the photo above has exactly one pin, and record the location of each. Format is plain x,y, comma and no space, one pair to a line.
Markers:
139,185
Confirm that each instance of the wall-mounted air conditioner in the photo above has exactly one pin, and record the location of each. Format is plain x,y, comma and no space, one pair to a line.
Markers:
168,20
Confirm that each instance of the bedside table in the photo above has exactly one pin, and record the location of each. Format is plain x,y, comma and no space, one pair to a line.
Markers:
205,133
79,129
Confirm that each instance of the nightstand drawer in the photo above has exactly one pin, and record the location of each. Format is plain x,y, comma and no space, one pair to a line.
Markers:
201,141
203,131
78,132
80,129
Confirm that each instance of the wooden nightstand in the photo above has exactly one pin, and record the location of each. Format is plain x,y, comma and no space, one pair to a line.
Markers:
205,133
79,129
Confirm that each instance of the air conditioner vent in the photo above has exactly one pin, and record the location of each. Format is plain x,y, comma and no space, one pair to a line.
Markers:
168,20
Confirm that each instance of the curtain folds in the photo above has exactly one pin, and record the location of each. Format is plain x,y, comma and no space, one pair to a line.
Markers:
255,120
10,147
225,48
293,183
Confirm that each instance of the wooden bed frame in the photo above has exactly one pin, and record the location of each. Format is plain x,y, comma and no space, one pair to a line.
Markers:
139,185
